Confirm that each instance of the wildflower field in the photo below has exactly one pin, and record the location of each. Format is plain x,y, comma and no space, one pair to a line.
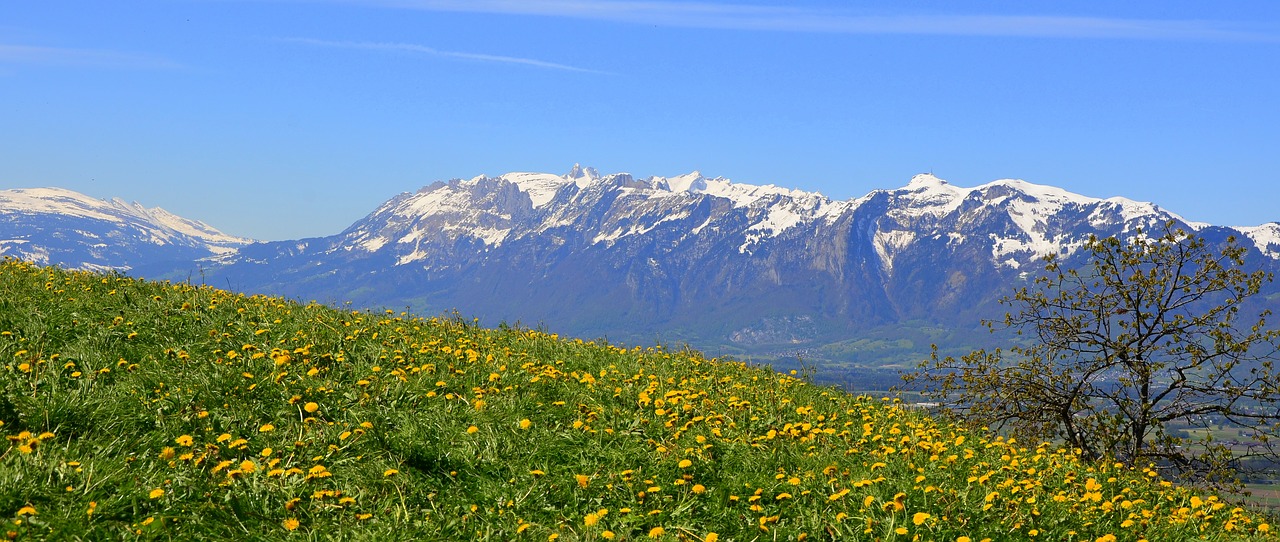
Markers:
135,409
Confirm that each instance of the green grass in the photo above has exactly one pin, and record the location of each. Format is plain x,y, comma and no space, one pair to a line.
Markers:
135,409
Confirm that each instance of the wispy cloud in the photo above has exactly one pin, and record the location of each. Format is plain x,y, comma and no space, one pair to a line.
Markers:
802,19
421,49
61,56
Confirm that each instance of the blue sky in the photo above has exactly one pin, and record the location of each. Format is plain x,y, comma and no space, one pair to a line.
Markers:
294,118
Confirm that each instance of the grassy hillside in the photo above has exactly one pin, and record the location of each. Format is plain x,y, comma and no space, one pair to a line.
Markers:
156,410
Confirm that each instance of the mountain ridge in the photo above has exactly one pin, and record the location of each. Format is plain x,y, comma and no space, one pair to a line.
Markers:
62,227
726,267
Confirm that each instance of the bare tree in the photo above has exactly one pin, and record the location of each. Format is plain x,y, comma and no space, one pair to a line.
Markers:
1134,358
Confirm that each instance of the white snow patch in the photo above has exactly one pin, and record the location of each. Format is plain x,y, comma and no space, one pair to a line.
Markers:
1266,237
889,243
373,244
636,229
541,187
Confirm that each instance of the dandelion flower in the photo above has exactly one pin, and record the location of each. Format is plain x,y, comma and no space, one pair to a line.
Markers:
184,440
685,463
156,493
920,518
311,408
525,423
390,472
266,428
472,430
656,532
290,524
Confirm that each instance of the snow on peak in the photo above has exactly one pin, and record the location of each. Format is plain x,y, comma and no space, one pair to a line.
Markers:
70,203
579,172
690,182
926,181
540,187
1266,237
1038,192
936,195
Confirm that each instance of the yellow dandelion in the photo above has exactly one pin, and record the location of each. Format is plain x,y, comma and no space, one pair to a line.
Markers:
685,463
184,440
698,489
900,530
583,480
156,493
920,518
711,537
591,519
525,423
607,535
656,532
290,524
27,510
266,428
311,408
390,472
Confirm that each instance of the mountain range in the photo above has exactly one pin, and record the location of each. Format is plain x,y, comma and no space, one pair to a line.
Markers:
726,267
52,226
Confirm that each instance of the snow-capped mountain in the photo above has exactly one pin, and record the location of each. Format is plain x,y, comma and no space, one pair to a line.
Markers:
724,266
52,226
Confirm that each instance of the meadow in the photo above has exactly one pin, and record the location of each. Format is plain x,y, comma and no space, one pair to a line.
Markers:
134,409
